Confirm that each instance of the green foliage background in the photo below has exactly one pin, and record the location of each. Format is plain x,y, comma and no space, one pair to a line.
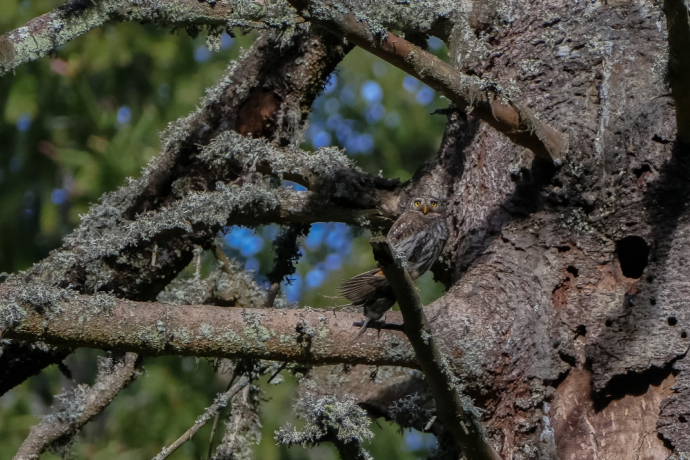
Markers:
59,131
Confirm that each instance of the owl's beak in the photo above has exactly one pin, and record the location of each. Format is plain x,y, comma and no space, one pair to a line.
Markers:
425,209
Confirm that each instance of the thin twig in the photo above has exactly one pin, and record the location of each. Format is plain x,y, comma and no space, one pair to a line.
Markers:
213,434
278,371
463,425
220,402
221,257
217,416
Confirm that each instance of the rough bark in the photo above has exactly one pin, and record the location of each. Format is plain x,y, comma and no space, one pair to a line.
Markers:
567,286
566,316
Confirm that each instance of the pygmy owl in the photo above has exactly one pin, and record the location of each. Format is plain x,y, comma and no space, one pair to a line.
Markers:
417,238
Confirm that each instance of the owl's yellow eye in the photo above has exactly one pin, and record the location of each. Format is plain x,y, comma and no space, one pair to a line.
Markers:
417,203
434,204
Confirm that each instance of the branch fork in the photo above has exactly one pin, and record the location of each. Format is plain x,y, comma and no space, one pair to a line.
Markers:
463,426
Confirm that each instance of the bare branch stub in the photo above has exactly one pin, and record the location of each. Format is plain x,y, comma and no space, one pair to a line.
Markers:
465,428
483,98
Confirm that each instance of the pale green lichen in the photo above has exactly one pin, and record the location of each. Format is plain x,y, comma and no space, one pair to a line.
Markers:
228,337
253,330
22,298
6,53
205,331
243,429
11,315
329,419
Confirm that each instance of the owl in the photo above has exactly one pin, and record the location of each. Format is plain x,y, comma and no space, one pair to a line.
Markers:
417,238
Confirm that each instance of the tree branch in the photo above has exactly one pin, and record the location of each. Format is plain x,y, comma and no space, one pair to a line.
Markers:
242,430
468,93
329,419
21,360
287,75
678,25
452,412
220,402
40,312
43,34
328,171
287,253
74,409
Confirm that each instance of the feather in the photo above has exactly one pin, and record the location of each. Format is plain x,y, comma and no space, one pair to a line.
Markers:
363,286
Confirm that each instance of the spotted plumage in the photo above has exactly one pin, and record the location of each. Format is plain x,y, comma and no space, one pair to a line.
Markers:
417,237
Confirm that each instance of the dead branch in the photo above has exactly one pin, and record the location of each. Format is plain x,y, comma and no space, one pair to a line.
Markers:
287,253
464,426
229,105
21,360
75,408
220,402
241,430
482,98
40,312
44,34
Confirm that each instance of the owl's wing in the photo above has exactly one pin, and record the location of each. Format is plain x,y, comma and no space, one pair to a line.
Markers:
406,225
403,234
363,287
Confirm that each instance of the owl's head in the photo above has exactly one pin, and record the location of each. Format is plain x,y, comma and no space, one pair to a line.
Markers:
427,205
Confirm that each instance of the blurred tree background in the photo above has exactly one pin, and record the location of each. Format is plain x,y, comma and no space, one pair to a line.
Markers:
77,125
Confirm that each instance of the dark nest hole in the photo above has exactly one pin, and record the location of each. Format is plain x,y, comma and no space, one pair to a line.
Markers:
633,255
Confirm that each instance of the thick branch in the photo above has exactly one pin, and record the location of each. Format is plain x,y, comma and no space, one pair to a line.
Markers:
461,423
678,24
75,409
45,33
468,93
39,312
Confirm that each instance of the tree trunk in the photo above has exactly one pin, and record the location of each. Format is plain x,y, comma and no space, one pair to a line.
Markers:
566,313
